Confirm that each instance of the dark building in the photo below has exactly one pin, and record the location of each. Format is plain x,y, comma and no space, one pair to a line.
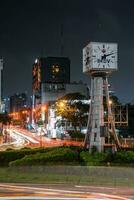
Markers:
55,70
50,70
51,80
17,102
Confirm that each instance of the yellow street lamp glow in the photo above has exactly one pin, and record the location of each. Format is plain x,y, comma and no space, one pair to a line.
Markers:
110,102
43,108
33,110
62,104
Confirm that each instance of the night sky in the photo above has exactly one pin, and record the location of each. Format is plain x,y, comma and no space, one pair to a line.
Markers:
29,29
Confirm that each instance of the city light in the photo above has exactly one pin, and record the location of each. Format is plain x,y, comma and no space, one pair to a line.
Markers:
62,104
43,108
36,60
110,102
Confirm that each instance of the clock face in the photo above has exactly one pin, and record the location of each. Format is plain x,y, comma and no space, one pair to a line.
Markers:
100,56
87,58
104,56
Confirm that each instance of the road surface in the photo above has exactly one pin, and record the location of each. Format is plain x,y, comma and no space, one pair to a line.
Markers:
34,140
57,191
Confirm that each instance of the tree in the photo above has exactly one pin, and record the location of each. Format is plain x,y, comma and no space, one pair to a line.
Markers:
73,108
5,119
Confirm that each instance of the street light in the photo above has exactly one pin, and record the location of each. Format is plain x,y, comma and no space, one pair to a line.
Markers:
43,111
110,102
43,108
62,104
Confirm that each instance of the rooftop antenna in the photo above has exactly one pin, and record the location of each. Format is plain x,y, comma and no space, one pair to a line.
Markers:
62,40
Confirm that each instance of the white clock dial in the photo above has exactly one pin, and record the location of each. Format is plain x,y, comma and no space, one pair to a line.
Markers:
106,56
101,56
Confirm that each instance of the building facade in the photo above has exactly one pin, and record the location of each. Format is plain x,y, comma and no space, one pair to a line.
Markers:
17,102
50,70
51,80
51,92
48,74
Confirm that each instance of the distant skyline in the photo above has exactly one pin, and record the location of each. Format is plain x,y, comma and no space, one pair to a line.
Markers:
30,29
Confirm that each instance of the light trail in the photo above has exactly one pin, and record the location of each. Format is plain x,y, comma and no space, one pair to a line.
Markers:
28,138
32,192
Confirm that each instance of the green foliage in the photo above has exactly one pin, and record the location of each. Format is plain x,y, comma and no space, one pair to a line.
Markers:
73,96
93,150
93,159
10,155
62,155
40,123
4,118
76,134
72,110
121,157
9,149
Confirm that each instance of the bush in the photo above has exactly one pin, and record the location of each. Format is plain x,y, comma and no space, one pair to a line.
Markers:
11,155
93,159
62,155
77,134
93,150
123,157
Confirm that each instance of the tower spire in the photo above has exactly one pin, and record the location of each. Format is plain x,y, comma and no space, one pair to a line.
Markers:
62,39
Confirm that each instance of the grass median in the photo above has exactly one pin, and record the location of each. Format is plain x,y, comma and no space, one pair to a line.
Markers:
100,176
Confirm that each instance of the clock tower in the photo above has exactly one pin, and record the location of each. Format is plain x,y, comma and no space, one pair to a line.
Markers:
99,61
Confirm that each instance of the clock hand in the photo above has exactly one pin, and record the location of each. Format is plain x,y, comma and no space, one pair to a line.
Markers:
109,54
105,56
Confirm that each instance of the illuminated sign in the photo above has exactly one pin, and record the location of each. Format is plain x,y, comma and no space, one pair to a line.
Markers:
36,77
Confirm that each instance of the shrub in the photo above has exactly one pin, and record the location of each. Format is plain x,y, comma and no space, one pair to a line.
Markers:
11,155
93,159
77,135
123,157
63,155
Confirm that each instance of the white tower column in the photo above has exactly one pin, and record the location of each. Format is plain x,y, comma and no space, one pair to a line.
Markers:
96,124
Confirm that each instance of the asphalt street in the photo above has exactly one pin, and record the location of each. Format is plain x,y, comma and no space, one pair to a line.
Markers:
60,191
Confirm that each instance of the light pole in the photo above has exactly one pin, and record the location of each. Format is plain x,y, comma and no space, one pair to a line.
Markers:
33,110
